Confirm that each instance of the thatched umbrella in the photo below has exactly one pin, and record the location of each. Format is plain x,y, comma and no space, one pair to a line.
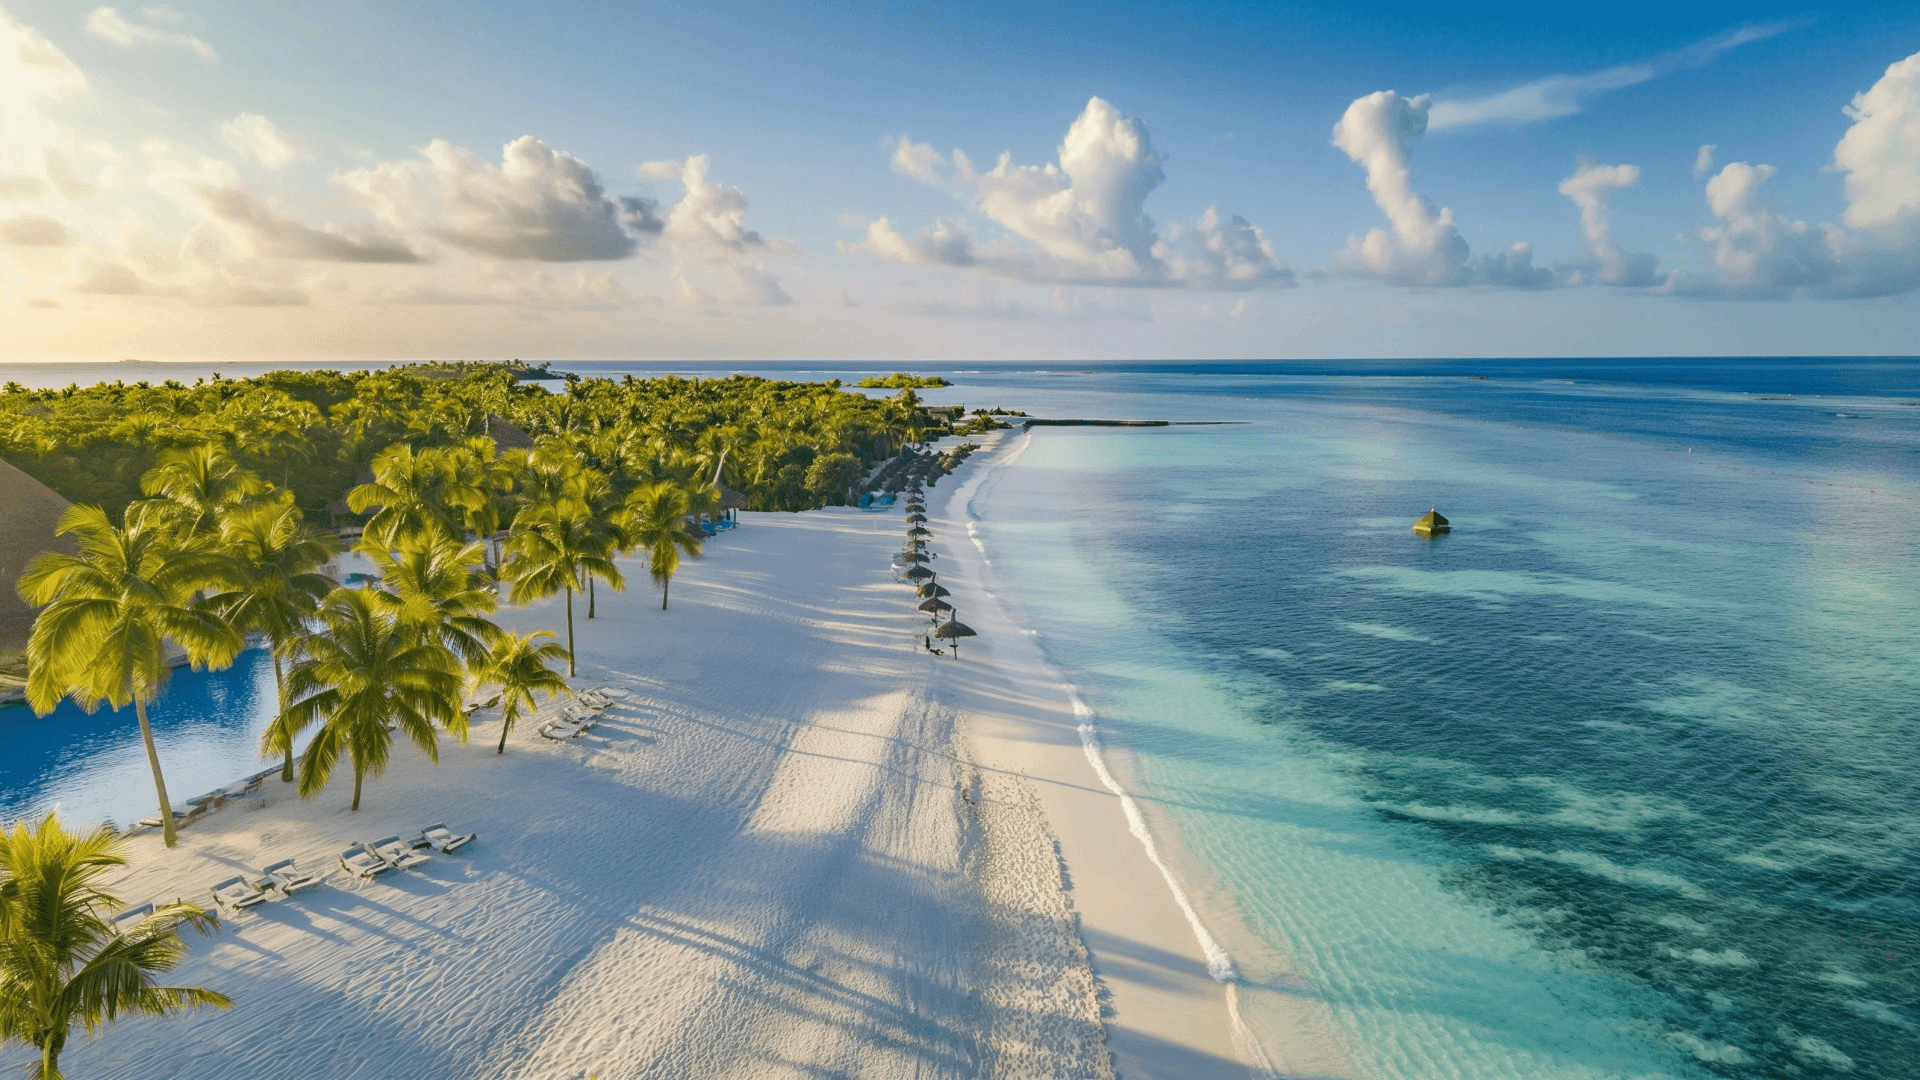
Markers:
916,517
914,557
954,631
935,605
920,573
919,530
930,589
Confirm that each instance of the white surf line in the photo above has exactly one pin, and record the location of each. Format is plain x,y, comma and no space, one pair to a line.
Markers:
1219,963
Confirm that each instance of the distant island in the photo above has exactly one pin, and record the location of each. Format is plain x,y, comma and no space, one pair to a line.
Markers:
900,380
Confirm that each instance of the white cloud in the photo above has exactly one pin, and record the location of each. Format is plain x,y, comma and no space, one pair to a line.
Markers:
32,67
1423,247
1590,187
254,136
539,204
1561,95
707,233
1759,251
32,230
1082,219
1880,153
1703,160
108,24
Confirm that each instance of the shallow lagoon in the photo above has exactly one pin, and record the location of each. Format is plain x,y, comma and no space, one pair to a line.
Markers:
1614,780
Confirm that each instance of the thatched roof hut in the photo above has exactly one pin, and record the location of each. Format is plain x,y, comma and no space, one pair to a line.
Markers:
26,529
1432,524
506,436
730,499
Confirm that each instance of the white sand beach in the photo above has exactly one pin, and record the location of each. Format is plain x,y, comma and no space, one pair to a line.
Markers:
801,846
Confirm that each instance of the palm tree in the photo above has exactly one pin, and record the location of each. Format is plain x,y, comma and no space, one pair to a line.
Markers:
367,669
198,483
518,666
432,583
277,585
656,518
551,549
415,491
113,608
62,961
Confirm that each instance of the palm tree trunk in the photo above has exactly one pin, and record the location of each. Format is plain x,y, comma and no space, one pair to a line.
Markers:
357,774
664,583
570,669
50,1055
280,690
591,596
506,724
167,830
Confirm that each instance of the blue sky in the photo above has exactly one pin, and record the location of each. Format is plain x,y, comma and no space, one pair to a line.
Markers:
261,181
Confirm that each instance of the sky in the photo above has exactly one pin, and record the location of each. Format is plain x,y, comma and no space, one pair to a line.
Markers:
745,180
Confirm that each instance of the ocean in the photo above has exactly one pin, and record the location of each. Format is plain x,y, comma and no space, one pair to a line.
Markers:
1617,779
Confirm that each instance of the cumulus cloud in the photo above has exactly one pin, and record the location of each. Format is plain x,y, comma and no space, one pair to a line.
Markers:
1080,220
1880,153
109,25
32,230
1758,250
32,67
277,233
1423,247
1562,95
1703,160
1590,187
707,229
539,204
211,188
254,136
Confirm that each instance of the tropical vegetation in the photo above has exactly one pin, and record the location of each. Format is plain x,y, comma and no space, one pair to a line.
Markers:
204,514
64,963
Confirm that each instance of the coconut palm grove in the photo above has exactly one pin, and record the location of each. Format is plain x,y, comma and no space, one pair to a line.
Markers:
204,514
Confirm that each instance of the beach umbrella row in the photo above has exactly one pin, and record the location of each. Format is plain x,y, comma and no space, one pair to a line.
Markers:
927,588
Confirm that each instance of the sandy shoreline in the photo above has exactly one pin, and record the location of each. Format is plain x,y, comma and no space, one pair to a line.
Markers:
802,846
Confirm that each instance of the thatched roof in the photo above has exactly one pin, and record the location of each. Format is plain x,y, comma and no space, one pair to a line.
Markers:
506,436
731,499
26,530
1432,522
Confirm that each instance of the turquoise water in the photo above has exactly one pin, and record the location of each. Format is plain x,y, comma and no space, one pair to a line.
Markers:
1617,779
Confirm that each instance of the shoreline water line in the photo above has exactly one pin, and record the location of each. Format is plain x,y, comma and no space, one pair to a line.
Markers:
1220,965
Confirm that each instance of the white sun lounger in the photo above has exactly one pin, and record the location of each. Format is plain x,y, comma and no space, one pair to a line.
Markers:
561,730
578,715
289,879
237,894
438,836
397,852
360,861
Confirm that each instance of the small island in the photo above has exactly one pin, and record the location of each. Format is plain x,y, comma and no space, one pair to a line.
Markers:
900,380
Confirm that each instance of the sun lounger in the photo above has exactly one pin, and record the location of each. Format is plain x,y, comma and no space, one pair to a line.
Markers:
180,817
442,838
360,861
594,699
397,852
289,879
561,730
237,894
